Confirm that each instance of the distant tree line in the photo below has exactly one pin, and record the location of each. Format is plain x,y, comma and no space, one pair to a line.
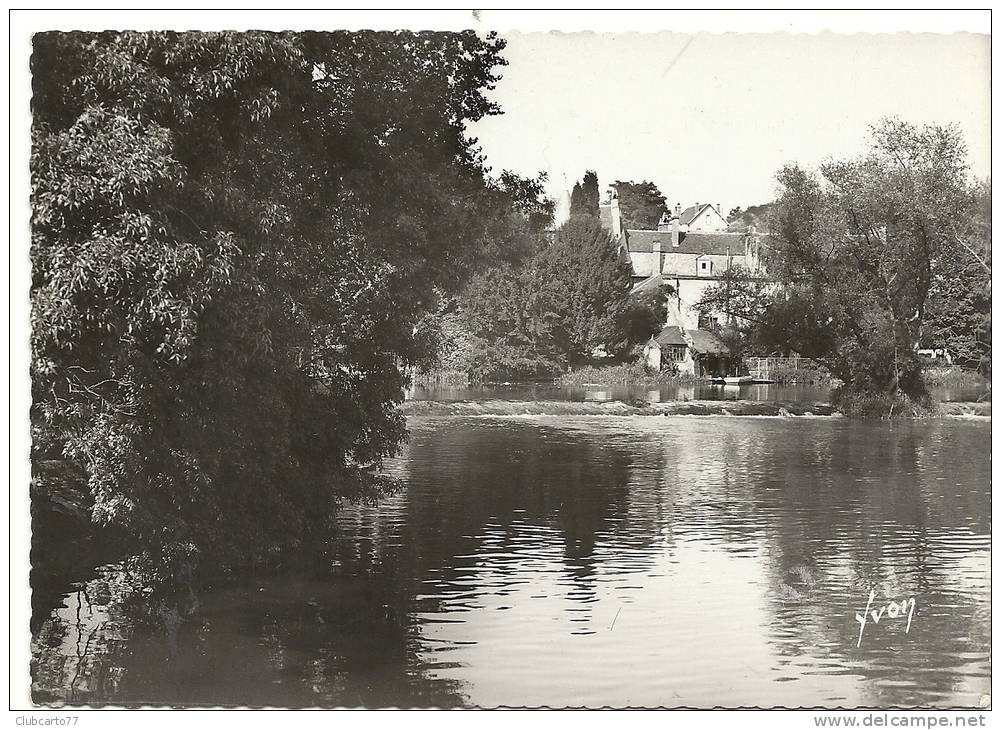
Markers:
758,216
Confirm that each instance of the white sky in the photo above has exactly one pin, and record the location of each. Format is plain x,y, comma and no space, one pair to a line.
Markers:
712,117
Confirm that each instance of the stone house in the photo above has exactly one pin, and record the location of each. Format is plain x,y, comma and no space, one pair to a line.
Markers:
692,352
689,250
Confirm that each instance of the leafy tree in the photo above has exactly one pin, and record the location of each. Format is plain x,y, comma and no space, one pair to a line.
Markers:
592,195
526,197
958,315
577,205
234,236
587,283
512,325
556,309
585,198
453,346
514,215
744,301
517,231
856,250
644,315
758,216
641,204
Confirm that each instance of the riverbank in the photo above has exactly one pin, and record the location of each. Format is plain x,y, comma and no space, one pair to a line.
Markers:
781,370
615,408
961,409
954,377
798,371
643,408
626,374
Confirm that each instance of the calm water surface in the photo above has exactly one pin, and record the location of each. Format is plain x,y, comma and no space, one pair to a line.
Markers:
598,561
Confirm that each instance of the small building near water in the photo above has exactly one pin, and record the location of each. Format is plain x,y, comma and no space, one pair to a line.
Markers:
693,352
710,354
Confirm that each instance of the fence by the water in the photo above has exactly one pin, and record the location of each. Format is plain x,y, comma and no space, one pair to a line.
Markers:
787,369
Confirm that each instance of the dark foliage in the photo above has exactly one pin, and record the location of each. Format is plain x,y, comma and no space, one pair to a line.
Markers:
857,251
642,204
556,309
234,236
644,315
587,283
755,216
585,197
958,314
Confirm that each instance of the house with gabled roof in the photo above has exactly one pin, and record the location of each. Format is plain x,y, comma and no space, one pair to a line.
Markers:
701,217
694,352
689,251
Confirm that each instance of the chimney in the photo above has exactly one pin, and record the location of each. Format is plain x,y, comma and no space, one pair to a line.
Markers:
613,201
610,215
616,216
664,224
676,226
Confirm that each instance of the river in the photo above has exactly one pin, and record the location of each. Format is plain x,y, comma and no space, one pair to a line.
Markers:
592,561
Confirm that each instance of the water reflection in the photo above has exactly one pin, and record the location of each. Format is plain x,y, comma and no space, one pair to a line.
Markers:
592,561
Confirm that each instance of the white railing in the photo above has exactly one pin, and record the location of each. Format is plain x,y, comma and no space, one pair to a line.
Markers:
761,367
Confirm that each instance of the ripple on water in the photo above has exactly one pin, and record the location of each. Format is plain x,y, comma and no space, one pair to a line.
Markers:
617,561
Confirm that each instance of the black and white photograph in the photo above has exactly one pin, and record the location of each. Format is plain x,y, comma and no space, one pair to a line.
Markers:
482,359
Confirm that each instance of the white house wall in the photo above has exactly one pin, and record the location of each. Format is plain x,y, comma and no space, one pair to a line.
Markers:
685,263
708,221
680,310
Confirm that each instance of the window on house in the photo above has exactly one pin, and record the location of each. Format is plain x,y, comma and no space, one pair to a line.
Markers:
674,353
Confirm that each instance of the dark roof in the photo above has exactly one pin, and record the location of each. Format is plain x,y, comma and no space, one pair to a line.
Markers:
707,343
692,212
697,243
670,336
689,213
